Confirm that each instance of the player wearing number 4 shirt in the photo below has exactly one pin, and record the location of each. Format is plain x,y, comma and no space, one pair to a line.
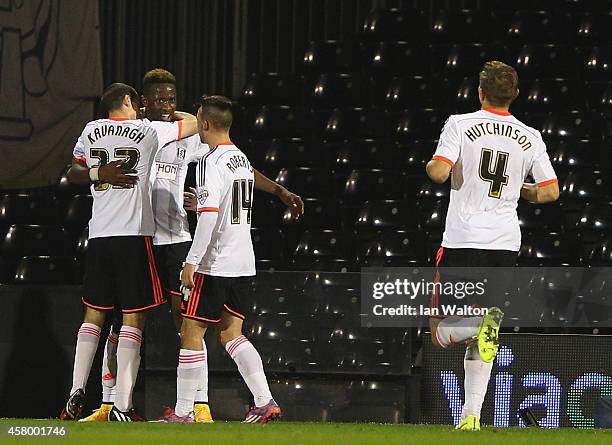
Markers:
219,267
490,154
120,269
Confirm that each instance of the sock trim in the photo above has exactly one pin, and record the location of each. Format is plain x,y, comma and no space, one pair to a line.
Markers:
127,335
89,331
231,348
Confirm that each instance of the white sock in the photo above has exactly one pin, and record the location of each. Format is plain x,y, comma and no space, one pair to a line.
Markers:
477,375
188,375
109,368
457,330
251,368
202,390
87,344
128,362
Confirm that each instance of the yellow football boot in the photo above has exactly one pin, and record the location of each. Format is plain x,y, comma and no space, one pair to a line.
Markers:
202,413
488,334
470,423
100,414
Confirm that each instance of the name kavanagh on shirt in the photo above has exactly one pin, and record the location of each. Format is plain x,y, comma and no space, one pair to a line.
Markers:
498,129
115,130
238,161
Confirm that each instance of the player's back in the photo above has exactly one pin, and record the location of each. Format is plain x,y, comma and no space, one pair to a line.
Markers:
492,154
123,211
225,184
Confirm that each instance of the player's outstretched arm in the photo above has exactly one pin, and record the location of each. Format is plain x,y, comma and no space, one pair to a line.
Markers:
540,194
291,200
189,122
438,171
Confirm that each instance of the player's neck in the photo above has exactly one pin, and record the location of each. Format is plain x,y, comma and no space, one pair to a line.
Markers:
118,115
504,111
219,138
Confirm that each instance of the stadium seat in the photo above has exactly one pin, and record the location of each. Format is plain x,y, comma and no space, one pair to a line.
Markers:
395,249
342,124
405,92
307,182
567,124
267,245
572,155
545,62
435,217
368,153
278,121
555,249
293,152
540,218
338,90
457,61
273,89
82,244
430,190
597,64
464,98
323,245
373,184
394,25
536,27
593,28
267,211
333,57
586,186
413,125
388,214
599,96
406,58
47,270
595,218
549,95
25,208
416,154
319,214
463,26
35,240
78,214
600,255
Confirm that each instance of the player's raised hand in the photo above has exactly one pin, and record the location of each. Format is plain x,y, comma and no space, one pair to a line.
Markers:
294,202
115,174
187,275
190,200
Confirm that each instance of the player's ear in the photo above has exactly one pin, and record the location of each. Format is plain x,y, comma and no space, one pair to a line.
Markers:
143,101
127,101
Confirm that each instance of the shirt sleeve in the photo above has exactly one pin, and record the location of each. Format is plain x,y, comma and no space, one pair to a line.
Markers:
541,170
209,183
195,149
449,145
167,131
78,153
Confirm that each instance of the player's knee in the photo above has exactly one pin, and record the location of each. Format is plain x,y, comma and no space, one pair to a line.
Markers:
94,316
135,320
192,333
227,335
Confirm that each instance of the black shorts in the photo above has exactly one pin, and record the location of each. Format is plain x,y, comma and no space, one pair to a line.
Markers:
121,273
169,259
211,295
481,259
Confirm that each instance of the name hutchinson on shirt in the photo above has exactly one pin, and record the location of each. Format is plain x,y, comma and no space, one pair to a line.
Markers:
498,129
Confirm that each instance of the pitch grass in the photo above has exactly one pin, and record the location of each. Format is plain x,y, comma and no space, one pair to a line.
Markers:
288,433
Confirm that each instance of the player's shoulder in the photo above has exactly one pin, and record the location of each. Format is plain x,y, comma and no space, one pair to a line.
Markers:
534,131
463,117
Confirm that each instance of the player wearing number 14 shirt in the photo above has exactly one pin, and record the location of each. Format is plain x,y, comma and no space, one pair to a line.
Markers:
219,267
490,154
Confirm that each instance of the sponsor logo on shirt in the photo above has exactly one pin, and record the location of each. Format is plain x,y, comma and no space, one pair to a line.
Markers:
166,171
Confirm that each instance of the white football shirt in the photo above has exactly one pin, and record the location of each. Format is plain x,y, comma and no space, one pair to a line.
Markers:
225,184
118,211
491,155
170,171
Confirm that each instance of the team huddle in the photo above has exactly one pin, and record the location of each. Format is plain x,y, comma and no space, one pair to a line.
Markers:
137,168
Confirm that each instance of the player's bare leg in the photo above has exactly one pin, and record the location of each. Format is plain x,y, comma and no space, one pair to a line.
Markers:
128,362
251,369
175,300
87,344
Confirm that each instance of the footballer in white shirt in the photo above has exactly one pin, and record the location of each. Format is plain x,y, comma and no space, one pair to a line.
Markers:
488,154
219,267
120,270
